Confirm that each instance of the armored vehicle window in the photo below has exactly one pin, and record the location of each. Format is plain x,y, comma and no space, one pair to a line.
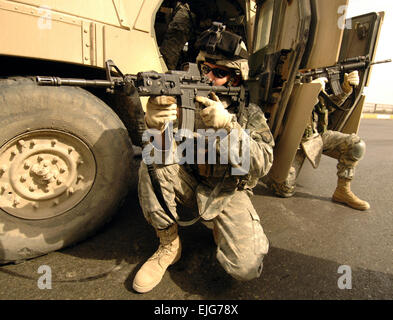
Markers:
264,23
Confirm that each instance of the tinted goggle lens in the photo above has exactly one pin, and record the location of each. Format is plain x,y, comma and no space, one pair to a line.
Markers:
217,72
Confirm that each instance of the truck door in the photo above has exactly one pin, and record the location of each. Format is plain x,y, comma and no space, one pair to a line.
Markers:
280,37
360,39
304,34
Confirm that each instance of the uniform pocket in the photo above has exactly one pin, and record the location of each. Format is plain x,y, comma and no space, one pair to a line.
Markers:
184,186
261,243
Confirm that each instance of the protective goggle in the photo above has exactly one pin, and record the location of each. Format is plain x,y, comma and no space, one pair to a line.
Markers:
217,72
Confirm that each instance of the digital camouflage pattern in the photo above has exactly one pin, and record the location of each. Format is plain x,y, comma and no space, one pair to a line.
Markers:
189,20
178,33
241,242
334,144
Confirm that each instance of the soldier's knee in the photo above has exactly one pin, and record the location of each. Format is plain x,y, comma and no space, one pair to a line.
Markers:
248,270
244,269
358,150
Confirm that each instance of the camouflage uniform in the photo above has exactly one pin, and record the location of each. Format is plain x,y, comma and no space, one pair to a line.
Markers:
189,20
241,242
346,148
178,33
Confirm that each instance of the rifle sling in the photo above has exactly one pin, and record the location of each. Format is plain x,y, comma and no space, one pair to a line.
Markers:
216,191
333,104
158,192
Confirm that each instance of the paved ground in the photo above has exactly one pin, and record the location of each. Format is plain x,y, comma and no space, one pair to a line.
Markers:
310,238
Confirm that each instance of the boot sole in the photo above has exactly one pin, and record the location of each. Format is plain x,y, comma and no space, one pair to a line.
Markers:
140,289
347,204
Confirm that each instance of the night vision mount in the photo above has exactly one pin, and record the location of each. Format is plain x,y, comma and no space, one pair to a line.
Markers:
217,40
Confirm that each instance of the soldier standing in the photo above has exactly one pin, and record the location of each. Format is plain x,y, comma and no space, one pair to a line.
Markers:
241,241
189,20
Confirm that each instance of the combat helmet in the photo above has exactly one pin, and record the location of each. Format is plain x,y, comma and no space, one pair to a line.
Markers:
224,48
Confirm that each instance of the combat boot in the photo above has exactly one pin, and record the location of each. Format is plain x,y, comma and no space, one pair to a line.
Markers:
343,194
152,271
284,189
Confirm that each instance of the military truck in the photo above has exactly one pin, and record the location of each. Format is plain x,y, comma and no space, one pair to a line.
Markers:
66,153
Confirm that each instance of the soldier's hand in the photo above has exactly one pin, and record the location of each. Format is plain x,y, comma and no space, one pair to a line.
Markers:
322,81
351,79
214,115
159,111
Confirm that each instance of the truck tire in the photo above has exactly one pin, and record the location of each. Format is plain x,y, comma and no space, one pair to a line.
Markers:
66,163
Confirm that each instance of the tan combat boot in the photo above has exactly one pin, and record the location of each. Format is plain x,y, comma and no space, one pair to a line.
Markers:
152,271
343,194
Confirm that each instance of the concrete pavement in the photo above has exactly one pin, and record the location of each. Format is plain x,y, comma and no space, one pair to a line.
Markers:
311,240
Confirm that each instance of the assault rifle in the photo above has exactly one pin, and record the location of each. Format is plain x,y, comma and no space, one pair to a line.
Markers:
185,85
336,73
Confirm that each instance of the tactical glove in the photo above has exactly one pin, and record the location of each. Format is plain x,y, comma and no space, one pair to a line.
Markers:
350,80
159,111
322,81
214,115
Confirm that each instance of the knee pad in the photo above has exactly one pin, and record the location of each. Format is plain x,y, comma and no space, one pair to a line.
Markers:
358,150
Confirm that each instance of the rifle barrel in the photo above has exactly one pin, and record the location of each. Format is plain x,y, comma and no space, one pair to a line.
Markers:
382,61
56,81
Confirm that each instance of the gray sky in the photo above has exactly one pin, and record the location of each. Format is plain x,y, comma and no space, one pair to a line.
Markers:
380,89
